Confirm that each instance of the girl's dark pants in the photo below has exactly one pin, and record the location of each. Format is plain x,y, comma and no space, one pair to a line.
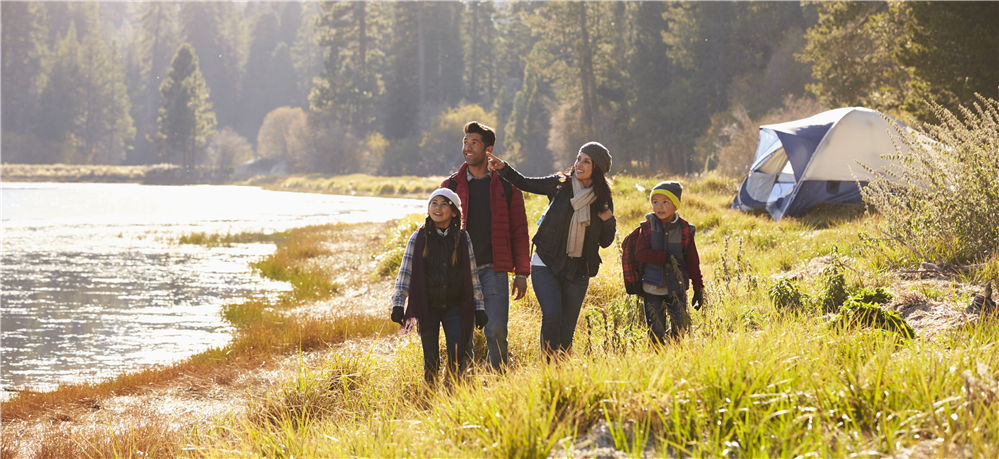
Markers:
561,300
659,308
450,319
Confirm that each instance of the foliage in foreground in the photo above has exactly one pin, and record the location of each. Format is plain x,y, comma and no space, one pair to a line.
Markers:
794,389
941,202
752,381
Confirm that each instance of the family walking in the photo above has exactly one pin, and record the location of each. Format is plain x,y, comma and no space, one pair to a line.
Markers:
455,269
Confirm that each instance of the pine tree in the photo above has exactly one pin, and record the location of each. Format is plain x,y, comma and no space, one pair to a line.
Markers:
851,51
526,130
150,52
350,84
215,30
306,56
403,85
24,54
60,106
185,118
105,122
480,49
260,93
648,135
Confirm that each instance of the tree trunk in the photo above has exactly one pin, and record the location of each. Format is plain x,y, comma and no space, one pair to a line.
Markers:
420,53
362,36
586,73
473,77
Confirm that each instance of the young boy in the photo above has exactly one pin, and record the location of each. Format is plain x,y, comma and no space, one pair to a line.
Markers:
666,248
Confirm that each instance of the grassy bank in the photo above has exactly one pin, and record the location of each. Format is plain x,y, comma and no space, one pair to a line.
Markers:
72,173
60,423
353,185
168,174
755,379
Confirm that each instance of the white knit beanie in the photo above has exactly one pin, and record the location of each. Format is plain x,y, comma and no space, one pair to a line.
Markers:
448,194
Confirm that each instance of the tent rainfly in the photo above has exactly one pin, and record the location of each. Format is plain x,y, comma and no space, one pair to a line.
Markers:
802,163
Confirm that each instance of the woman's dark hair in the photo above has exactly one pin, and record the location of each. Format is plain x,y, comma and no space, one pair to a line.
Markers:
455,231
601,184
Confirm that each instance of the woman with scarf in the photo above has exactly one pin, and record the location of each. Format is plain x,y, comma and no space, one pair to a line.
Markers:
578,221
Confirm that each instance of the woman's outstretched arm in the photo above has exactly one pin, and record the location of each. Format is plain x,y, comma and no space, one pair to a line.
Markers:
537,185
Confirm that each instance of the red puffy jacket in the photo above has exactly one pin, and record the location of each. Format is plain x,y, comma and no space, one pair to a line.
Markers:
511,245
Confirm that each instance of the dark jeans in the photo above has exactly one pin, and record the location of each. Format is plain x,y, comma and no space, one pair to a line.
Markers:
496,296
660,307
450,319
561,300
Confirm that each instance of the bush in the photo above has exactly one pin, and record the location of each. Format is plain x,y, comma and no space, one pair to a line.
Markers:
385,189
785,295
835,292
858,314
389,262
940,202
872,295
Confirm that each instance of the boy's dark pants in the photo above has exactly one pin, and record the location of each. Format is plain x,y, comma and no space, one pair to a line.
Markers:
660,307
450,319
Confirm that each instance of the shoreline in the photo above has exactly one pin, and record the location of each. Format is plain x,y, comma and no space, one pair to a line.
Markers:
169,174
204,392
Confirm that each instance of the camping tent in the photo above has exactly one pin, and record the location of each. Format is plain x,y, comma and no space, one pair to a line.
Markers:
801,163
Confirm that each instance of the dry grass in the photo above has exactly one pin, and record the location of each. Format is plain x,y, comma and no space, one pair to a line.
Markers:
148,413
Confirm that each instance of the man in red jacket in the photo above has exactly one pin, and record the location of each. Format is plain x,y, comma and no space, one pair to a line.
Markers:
494,216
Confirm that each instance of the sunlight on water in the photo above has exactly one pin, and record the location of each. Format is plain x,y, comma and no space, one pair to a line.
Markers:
94,284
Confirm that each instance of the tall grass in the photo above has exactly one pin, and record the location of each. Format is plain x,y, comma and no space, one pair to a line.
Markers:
794,389
752,380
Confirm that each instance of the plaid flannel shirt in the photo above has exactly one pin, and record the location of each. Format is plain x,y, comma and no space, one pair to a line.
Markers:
406,273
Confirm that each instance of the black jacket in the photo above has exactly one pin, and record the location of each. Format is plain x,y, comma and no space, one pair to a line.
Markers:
553,234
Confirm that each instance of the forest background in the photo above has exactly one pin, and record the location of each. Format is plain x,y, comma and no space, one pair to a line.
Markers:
384,87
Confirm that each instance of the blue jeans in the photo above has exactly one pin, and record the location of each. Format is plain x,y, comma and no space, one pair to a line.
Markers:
660,307
450,319
496,293
561,300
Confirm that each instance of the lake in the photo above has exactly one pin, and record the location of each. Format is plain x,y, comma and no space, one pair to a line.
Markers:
93,282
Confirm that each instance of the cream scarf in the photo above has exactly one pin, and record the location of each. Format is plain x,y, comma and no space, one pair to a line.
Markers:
581,200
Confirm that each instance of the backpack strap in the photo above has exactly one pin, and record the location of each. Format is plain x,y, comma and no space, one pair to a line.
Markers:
507,191
507,188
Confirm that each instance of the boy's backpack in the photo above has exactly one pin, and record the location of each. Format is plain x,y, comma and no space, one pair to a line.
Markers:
630,267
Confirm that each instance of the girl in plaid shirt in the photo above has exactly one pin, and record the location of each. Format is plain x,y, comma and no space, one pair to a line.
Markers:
438,277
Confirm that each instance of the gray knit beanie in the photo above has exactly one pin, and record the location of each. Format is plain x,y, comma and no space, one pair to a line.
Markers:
670,189
598,154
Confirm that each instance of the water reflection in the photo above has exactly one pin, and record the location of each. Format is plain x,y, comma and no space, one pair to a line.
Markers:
97,287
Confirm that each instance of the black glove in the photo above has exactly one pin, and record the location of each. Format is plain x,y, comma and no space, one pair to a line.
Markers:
698,300
397,314
480,319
